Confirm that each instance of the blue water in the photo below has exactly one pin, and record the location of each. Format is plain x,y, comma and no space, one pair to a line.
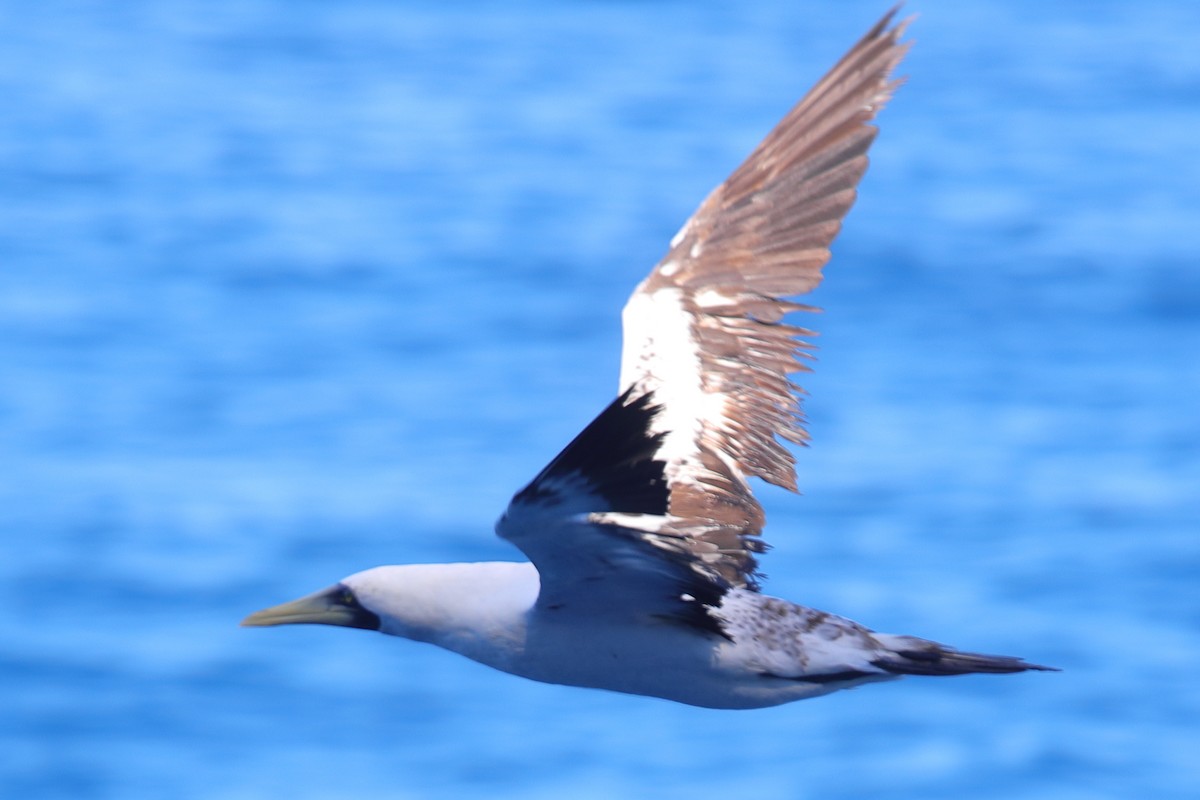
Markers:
290,289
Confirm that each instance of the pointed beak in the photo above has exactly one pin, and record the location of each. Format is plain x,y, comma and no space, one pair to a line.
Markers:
336,605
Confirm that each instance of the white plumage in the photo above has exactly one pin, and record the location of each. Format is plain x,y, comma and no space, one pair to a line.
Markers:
641,535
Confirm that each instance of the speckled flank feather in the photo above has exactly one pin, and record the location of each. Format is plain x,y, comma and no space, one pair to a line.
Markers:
780,639
785,640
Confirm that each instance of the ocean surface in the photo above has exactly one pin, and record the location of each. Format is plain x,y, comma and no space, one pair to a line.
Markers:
289,289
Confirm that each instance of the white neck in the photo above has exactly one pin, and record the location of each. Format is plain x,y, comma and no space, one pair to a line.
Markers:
478,610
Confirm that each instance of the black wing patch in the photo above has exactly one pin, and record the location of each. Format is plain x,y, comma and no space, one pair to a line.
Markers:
613,462
615,456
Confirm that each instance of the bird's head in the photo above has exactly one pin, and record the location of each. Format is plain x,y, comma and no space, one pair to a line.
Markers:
427,602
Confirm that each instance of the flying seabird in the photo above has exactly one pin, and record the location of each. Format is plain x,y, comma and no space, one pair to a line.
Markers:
642,534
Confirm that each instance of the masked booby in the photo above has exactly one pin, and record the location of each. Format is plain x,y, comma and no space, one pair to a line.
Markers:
642,534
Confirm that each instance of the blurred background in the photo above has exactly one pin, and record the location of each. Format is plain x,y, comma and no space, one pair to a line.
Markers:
289,289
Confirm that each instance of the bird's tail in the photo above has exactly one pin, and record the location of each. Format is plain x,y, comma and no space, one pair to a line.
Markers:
908,655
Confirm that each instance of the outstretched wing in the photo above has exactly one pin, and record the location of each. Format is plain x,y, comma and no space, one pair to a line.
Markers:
657,484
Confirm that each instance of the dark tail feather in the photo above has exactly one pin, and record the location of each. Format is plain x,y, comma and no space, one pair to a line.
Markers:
911,656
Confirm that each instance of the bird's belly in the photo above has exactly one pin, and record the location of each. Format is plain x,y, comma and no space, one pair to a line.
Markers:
657,660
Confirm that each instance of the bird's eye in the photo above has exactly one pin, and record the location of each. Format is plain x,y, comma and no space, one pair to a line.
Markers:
347,598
